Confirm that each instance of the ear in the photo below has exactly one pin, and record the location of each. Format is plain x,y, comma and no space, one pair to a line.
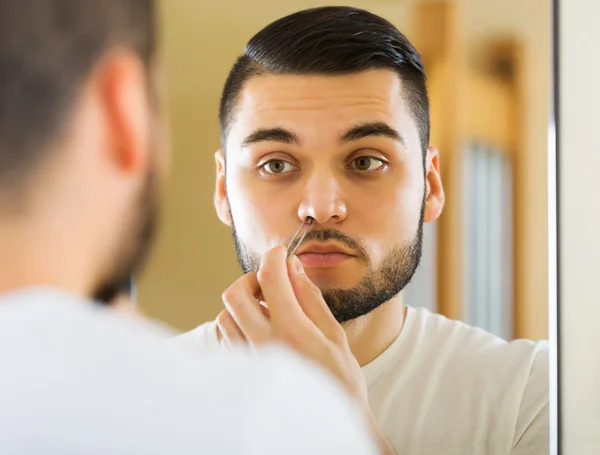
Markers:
435,197
221,202
122,84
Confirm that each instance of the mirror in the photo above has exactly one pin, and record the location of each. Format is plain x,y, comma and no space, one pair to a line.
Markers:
488,81
484,261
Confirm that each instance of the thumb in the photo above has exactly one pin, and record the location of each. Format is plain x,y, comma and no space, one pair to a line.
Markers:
311,301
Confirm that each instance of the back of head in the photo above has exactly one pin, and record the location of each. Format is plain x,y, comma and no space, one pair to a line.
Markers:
78,103
330,41
47,49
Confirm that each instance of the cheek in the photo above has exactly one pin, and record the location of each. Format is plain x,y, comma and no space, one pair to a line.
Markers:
259,214
390,212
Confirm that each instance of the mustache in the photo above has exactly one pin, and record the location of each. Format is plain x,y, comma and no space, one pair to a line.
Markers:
324,234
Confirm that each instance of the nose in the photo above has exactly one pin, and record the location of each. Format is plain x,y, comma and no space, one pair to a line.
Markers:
322,200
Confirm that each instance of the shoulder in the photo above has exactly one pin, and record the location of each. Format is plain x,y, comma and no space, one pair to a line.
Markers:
155,399
306,405
485,358
468,345
271,399
511,375
532,432
508,373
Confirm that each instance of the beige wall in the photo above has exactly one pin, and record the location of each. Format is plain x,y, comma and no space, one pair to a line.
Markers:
193,261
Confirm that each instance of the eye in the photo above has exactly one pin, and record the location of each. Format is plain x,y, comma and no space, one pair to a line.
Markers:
276,166
367,163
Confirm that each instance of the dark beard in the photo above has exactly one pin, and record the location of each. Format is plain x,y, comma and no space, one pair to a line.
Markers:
377,287
134,248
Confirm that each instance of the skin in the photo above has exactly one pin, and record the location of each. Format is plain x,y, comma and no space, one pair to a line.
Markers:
325,178
125,305
81,216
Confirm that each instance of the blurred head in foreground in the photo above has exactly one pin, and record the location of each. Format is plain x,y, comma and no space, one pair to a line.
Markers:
82,144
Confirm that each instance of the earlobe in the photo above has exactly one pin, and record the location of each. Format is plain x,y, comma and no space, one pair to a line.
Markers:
220,200
435,197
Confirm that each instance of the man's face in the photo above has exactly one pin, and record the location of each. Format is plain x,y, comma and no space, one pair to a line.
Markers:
345,151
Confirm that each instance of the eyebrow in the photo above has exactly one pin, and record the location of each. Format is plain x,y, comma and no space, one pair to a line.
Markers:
353,134
271,135
372,129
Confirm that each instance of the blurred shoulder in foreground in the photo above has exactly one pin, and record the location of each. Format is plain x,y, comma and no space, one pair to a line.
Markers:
79,378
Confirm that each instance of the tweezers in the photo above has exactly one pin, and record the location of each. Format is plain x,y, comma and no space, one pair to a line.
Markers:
298,238
294,244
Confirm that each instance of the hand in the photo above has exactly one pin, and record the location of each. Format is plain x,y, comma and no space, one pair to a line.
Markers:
295,313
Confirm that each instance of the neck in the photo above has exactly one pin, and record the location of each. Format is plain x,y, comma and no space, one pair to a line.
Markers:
40,255
370,335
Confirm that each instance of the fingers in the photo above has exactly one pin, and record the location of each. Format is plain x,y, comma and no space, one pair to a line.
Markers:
264,309
229,330
245,311
313,304
295,305
277,289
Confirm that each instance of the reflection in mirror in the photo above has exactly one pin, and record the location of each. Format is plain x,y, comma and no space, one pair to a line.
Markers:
484,258
488,83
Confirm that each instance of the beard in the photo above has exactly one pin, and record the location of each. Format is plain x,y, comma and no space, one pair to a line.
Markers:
379,285
132,250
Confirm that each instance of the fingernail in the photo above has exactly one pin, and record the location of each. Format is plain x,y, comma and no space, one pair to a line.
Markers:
298,265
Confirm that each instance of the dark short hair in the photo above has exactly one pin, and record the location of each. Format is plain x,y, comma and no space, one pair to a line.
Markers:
330,41
47,48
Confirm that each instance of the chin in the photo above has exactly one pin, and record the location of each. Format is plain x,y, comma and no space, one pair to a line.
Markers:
327,280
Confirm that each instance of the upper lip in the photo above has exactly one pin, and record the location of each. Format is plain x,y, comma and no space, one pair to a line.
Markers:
324,248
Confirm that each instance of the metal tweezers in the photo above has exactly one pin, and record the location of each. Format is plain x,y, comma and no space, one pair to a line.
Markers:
294,244
298,238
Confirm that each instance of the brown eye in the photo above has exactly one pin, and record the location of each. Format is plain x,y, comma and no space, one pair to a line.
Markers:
366,163
277,167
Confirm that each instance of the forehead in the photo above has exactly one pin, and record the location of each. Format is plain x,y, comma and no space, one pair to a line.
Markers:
299,102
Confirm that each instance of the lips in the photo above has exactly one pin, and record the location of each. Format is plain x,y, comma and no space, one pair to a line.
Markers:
323,255
324,248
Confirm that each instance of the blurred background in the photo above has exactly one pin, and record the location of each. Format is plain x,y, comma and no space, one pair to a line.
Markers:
486,260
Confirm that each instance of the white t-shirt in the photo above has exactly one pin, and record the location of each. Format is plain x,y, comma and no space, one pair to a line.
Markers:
444,387
79,379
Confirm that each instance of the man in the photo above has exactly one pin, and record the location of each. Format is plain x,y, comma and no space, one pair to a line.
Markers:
326,115
81,163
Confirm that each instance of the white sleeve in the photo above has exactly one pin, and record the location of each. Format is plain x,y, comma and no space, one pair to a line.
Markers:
532,436
305,411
